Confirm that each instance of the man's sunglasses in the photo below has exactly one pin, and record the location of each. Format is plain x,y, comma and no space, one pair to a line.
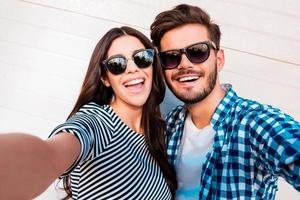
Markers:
117,64
196,53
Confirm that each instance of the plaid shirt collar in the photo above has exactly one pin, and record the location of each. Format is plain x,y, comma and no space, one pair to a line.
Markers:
175,128
224,107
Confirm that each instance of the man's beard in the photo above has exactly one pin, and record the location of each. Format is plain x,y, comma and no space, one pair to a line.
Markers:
212,79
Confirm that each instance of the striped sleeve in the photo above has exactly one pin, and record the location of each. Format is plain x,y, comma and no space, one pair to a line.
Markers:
80,126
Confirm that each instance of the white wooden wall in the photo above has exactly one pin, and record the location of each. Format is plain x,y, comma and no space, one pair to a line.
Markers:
45,46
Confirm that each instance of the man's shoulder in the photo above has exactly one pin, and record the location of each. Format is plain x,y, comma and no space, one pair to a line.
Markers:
246,109
237,105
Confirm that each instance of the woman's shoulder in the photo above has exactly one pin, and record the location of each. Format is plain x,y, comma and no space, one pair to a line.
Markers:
90,106
93,108
93,114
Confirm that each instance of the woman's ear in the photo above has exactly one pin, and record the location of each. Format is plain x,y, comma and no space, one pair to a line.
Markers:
220,59
105,81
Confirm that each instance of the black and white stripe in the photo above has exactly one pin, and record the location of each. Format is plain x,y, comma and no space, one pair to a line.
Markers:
114,162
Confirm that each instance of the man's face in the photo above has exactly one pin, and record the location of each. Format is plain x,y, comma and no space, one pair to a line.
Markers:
190,82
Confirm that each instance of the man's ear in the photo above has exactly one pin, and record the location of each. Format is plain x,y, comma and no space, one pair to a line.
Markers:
105,81
220,59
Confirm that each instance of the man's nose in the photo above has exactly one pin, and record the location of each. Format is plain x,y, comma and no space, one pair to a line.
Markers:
184,62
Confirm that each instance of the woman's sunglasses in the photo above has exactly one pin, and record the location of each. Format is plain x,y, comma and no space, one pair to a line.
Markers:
196,53
117,64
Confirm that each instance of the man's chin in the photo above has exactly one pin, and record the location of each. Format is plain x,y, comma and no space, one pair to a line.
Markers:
188,99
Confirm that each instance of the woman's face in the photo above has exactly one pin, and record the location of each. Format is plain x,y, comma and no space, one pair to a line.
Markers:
133,86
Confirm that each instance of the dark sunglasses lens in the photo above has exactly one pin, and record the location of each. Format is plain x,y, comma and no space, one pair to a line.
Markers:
198,53
170,59
144,58
116,65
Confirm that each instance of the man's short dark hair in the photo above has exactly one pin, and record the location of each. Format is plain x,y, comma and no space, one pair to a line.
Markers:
181,15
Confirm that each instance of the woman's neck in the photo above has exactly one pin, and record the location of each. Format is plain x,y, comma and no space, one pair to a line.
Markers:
130,115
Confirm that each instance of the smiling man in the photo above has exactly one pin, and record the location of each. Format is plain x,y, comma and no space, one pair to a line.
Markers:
221,145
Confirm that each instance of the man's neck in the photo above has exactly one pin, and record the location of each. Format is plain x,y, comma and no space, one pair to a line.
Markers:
203,111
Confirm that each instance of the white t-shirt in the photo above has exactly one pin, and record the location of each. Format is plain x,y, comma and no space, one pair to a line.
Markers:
195,144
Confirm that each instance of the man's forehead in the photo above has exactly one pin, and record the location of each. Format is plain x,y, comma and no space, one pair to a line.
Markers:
183,36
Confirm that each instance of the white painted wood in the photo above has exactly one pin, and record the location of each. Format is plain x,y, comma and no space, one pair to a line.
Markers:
264,80
45,47
254,21
47,40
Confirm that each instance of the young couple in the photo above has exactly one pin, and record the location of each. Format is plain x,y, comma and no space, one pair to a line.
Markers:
113,145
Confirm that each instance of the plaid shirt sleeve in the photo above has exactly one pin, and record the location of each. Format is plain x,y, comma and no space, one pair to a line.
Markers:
174,126
276,141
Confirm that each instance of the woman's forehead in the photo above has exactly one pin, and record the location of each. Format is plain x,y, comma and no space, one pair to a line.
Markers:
125,45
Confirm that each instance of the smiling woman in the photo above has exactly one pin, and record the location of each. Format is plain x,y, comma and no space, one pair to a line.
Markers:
106,148
132,87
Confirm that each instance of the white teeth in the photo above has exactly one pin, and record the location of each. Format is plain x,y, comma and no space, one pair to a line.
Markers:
134,82
188,78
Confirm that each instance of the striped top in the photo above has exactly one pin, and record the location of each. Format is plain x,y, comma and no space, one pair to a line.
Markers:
114,161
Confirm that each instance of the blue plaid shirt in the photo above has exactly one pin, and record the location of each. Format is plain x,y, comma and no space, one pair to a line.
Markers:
253,145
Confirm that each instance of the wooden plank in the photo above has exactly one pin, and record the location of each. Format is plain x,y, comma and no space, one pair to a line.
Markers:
31,59
47,40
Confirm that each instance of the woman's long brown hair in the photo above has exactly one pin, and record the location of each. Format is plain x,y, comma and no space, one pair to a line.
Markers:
93,90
